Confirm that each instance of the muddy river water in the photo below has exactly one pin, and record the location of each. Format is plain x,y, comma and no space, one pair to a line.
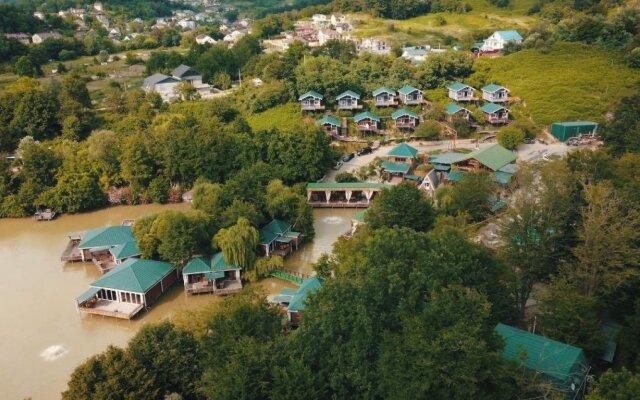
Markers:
43,338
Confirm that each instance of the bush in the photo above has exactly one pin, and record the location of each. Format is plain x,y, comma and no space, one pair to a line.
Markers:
633,60
429,130
510,137
345,177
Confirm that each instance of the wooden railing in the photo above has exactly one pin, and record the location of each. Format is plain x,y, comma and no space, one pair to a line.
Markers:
289,276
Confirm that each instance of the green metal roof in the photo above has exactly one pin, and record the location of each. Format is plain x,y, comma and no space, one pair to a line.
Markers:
383,89
310,93
87,295
502,178
197,265
135,275
288,291
308,286
349,93
402,112
455,176
219,263
576,123
126,250
359,217
403,150
344,185
416,178
492,88
458,86
408,89
282,298
366,114
453,108
611,330
328,119
273,230
394,167
446,158
107,237
490,108
560,362
493,157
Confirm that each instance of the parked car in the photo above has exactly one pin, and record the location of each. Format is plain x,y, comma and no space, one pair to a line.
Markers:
348,157
541,141
364,150
337,165
529,141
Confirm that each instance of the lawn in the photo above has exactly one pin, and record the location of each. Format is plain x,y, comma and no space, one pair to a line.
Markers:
570,82
287,116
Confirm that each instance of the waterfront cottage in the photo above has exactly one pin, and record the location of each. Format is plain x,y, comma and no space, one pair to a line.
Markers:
211,275
311,101
348,101
330,124
564,366
293,301
278,238
495,93
385,97
367,122
411,96
461,92
495,114
107,247
453,110
127,289
405,119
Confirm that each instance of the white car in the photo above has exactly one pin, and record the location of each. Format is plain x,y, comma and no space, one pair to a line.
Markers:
338,165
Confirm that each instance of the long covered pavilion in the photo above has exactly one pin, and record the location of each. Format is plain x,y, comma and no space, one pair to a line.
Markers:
346,194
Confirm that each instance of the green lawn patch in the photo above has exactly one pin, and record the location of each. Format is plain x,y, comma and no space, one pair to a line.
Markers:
572,81
287,116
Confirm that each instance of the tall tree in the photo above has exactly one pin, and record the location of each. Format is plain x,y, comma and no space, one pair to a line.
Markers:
238,243
402,206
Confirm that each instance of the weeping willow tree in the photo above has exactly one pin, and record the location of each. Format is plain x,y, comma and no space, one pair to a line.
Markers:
238,243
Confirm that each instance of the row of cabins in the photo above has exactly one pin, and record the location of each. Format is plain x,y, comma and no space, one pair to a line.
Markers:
368,122
352,101
493,111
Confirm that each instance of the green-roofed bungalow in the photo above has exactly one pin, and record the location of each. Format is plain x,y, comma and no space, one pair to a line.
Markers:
211,275
311,101
367,122
294,303
278,238
402,153
396,168
385,97
405,119
495,113
128,289
460,92
107,247
495,93
492,158
453,110
330,124
564,366
349,100
410,96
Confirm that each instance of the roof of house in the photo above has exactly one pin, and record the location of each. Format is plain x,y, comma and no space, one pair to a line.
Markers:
197,265
457,86
215,263
394,167
157,78
403,150
298,300
490,108
349,93
492,88
219,263
125,250
509,35
134,275
383,89
273,230
183,70
402,112
494,157
453,108
559,361
310,93
455,176
365,115
407,89
446,158
328,119
345,185
107,237
576,123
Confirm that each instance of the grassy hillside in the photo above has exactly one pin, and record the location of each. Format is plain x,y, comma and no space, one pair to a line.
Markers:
570,82
286,116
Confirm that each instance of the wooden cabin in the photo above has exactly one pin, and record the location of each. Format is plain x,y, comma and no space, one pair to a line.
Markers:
367,122
293,301
410,96
311,101
128,289
108,247
405,119
495,93
453,110
495,113
211,275
278,238
460,92
385,97
349,100
330,124
400,160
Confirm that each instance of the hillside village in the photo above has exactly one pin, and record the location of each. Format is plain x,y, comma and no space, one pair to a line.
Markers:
352,200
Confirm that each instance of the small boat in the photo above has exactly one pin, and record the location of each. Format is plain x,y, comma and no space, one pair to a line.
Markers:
46,214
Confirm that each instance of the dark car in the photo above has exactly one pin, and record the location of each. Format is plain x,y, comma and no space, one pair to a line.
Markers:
529,141
348,157
364,150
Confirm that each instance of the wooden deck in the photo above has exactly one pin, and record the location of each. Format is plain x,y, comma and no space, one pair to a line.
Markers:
341,204
113,309
72,253
230,287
